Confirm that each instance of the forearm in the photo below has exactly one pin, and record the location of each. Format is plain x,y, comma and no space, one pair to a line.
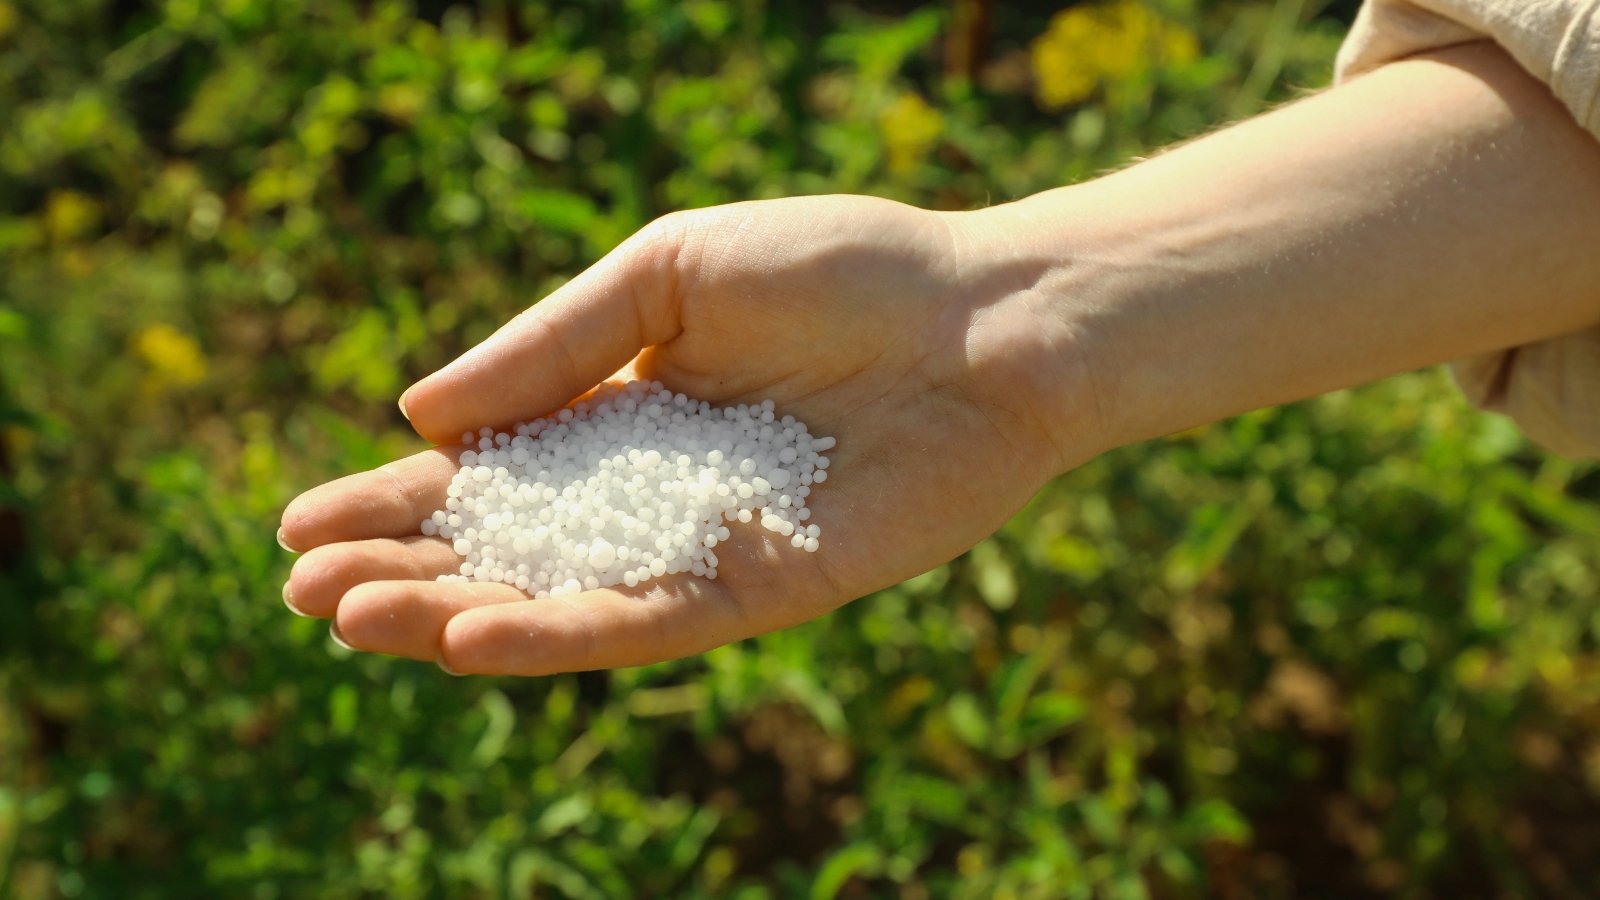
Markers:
1431,210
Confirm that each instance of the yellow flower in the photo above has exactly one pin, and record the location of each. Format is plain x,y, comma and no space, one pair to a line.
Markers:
174,358
69,215
1088,46
910,129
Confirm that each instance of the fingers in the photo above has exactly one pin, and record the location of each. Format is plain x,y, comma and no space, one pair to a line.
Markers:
383,600
390,501
321,577
474,628
407,618
560,348
594,630
763,585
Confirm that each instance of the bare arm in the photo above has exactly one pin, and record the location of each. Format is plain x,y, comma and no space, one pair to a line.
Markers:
1434,209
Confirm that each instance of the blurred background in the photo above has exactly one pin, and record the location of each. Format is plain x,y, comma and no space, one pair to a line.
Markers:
1346,648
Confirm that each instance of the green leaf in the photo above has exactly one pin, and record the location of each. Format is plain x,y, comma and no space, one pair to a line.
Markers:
1213,531
996,582
1217,820
1048,715
843,865
502,721
969,720
562,212
12,324
362,358
880,47
343,707
564,813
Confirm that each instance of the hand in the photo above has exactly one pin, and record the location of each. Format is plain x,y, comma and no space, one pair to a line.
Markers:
898,331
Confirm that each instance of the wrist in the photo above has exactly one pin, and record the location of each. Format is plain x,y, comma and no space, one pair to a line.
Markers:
1039,338
1142,316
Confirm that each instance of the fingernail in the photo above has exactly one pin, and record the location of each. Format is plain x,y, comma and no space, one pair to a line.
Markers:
338,638
288,600
282,543
446,669
402,405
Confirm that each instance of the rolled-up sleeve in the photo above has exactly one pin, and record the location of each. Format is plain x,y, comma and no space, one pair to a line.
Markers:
1551,388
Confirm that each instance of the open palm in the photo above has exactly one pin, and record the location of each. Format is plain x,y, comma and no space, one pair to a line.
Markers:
871,321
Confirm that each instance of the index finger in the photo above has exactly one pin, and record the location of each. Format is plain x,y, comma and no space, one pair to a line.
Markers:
565,345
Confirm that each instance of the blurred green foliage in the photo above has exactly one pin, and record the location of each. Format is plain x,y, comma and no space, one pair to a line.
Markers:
1343,648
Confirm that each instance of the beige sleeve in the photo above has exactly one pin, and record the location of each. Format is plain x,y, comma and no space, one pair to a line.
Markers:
1552,388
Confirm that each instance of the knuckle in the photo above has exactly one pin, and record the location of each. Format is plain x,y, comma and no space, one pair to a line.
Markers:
665,234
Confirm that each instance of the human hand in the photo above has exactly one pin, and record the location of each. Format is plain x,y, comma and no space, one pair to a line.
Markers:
896,330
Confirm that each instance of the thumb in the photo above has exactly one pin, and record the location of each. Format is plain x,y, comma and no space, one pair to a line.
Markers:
563,346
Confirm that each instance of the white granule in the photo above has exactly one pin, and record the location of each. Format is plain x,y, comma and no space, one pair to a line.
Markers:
631,484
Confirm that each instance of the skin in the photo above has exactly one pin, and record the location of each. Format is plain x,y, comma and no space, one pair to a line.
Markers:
1424,212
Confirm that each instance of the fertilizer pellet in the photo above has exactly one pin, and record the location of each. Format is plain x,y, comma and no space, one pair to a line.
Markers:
633,483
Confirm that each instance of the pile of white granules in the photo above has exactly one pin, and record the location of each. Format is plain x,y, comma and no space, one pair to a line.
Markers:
631,484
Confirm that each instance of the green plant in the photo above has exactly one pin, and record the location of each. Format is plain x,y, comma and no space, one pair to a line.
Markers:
1346,647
